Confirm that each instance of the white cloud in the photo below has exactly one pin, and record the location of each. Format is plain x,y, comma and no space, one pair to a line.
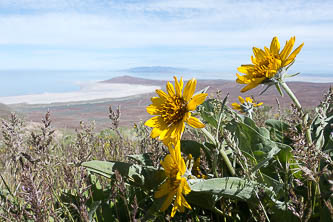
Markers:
83,30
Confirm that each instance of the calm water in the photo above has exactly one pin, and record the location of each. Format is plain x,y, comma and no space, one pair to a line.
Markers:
14,83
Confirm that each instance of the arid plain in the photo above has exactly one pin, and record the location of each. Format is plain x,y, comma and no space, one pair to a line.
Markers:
133,108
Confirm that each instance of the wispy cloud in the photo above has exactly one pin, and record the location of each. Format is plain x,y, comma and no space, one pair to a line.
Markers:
190,33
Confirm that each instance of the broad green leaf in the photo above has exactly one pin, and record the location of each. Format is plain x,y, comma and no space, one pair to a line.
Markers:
147,177
142,159
191,147
207,113
205,193
255,142
278,130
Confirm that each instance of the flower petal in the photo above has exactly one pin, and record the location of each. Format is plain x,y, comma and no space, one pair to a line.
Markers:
178,86
155,133
241,100
153,110
170,89
236,106
157,101
163,190
249,99
167,202
195,123
275,46
196,100
162,94
293,55
189,89
246,69
155,121
287,48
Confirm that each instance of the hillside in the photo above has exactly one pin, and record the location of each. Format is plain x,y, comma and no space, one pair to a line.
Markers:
133,108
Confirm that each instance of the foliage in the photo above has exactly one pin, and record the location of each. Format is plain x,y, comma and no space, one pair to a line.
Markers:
249,166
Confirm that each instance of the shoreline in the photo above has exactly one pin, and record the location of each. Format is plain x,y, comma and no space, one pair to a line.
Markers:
88,94
116,88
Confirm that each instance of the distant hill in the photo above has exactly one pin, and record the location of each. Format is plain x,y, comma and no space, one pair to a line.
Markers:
157,69
133,109
134,80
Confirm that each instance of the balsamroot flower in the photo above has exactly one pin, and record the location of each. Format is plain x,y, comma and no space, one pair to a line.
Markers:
173,109
267,63
245,106
175,184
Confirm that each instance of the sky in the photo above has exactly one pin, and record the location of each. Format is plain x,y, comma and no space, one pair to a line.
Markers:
213,35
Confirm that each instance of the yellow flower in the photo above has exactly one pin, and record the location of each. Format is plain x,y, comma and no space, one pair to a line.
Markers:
196,169
175,184
246,105
266,63
173,109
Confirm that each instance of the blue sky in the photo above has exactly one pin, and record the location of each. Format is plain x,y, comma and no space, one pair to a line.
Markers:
197,34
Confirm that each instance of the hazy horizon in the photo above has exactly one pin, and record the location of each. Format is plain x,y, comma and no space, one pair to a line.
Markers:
15,82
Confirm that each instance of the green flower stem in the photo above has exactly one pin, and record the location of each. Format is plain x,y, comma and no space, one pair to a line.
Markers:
296,102
209,135
249,115
227,161
221,150
290,94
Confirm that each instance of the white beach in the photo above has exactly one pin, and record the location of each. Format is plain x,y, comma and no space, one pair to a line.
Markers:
87,92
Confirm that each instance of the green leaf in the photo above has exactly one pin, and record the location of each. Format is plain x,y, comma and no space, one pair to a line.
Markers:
255,142
191,147
142,159
205,193
93,207
137,175
207,113
278,130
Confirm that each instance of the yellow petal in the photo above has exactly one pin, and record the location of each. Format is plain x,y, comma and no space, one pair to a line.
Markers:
168,164
186,189
195,123
167,202
174,210
293,55
258,53
242,79
155,121
259,104
155,133
163,190
253,84
162,94
153,110
246,69
189,89
275,46
170,89
157,101
178,86
196,100
185,204
241,100
179,129
249,100
287,48
236,106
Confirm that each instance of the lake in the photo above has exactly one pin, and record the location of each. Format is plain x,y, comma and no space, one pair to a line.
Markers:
26,82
